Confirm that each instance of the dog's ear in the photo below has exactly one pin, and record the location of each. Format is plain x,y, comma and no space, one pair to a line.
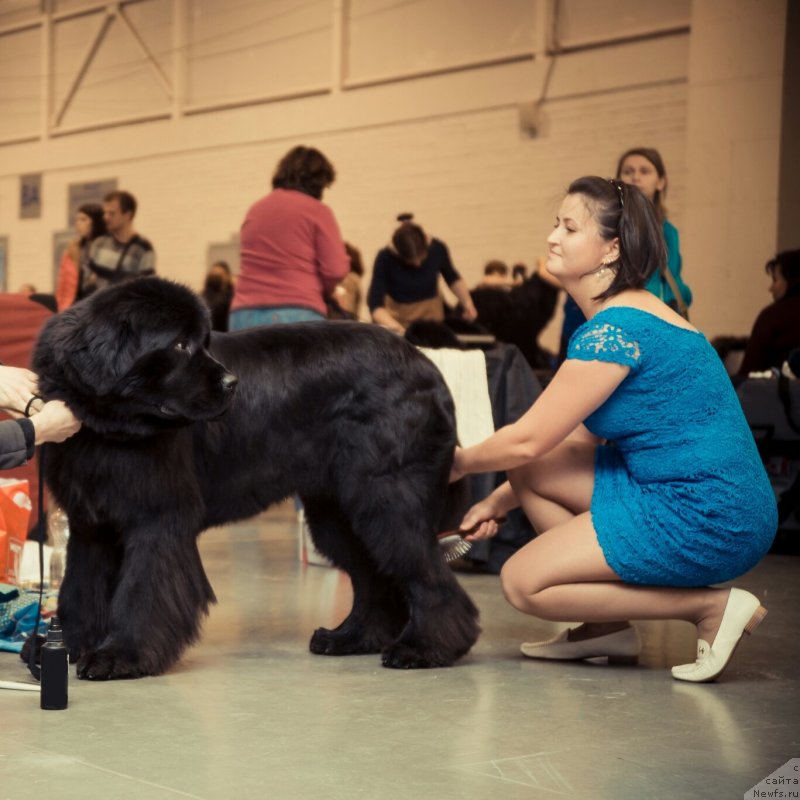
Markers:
79,352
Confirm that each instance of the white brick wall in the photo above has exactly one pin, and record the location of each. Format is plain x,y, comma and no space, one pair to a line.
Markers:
449,148
472,179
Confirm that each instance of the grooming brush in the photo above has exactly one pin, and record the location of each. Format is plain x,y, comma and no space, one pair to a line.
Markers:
453,544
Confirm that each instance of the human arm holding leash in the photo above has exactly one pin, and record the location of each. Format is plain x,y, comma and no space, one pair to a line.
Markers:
54,423
48,422
576,390
17,387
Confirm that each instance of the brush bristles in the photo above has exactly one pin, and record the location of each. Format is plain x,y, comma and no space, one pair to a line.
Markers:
454,547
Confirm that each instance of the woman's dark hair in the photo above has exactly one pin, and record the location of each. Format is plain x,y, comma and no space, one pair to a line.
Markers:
356,264
224,266
789,263
519,270
95,213
654,157
623,212
409,240
305,170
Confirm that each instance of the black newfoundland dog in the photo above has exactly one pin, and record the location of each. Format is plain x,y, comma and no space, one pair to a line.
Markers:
183,431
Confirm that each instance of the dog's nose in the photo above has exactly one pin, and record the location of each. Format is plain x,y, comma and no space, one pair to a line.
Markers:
229,382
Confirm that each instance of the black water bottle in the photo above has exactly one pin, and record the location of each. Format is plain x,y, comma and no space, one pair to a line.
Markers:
55,669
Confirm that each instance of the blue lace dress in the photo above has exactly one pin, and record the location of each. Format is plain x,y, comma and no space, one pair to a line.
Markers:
681,497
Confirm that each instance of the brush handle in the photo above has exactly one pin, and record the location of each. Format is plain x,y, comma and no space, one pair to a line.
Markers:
460,532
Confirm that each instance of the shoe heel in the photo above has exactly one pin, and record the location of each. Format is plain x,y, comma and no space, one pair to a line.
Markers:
756,619
623,661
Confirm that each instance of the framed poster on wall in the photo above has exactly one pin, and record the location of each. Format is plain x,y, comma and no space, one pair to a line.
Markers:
87,192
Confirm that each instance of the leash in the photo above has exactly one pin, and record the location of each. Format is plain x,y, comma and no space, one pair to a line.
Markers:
35,670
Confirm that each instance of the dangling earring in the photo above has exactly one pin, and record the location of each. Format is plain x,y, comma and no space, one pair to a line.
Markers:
605,266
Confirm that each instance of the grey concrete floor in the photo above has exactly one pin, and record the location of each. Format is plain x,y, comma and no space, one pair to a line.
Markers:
250,713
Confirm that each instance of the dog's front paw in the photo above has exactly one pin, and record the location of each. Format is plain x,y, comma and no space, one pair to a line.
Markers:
401,656
325,642
108,664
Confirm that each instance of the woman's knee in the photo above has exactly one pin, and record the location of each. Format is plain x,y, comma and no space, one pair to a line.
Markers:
564,476
527,477
519,586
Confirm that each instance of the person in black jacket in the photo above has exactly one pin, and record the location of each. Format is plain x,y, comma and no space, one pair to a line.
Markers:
776,331
405,280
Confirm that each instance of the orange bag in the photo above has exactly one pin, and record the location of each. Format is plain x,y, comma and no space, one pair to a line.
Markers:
15,511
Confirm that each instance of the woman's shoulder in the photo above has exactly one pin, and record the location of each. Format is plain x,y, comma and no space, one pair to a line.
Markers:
291,197
386,257
72,251
651,329
645,314
670,231
437,245
606,337
629,334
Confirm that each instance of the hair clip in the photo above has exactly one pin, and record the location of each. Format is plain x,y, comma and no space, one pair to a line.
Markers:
618,186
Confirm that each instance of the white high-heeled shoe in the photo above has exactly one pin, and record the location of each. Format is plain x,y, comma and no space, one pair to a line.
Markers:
743,613
620,647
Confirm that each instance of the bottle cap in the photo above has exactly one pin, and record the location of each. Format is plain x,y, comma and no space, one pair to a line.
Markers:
54,632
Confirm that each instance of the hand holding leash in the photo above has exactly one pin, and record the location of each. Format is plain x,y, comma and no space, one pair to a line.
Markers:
54,423
17,387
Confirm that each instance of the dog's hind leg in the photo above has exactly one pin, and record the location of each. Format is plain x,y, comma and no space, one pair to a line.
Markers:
379,610
158,604
442,627
443,621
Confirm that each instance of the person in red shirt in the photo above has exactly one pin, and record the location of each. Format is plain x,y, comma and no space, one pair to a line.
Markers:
292,253
72,271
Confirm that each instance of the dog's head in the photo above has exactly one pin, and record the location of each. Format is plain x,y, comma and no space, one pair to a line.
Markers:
131,360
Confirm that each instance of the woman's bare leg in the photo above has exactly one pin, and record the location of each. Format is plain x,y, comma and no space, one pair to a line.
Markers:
557,486
563,575
552,490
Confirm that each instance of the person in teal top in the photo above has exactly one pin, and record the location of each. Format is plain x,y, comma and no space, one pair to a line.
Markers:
635,465
644,168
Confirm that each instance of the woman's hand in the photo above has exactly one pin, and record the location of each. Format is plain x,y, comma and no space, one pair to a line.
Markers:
17,387
460,290
481,521
54,423
470,313
381,316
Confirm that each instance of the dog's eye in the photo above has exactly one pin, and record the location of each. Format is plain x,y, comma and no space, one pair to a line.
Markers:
182,345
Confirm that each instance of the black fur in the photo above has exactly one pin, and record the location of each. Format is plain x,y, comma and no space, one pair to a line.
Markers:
349,416
519,315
